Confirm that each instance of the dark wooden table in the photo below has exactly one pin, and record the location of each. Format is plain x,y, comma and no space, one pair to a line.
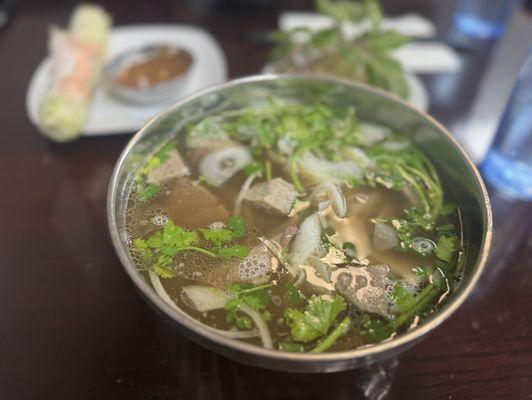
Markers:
73,327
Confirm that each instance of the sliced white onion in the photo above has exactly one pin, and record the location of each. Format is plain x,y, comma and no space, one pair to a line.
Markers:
318,170
358,156
159,289
337,199
264,332
373,133
203,298
307,241
220,165
396,145
384,237
243,190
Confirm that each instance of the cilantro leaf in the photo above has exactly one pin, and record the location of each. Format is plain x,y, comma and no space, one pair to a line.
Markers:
164,152
254,296
316,320
422,271
237,225
241,321
448,209
293,295
257,297
375,329
402,299
445,247
254,168
217,235
149,192
236,251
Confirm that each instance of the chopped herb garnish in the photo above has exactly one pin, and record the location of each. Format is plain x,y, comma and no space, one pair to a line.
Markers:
160,248
257,297
149,192
315,321
293,295
445,247
402,299
366,57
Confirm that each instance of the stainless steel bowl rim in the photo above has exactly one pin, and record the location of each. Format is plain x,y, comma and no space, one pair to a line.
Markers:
365,351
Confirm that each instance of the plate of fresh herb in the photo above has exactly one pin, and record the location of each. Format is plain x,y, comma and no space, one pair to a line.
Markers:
363,56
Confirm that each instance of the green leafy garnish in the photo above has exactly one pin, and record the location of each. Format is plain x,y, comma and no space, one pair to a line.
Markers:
366,57
257,297
149,192
448,209
221,237
331,339
237,226
217,235
159,249
293,295
241,321
402,299
445,247
253,168
316,320
422,271
375,329
236,251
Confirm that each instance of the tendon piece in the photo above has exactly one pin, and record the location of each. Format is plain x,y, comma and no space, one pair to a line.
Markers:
172,167
274,197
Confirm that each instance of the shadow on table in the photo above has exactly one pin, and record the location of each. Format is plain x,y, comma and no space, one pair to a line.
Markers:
201,374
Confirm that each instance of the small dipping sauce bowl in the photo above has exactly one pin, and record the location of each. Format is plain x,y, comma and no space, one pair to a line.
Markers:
150,74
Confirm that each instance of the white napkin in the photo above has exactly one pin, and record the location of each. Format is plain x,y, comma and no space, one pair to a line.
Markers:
422,57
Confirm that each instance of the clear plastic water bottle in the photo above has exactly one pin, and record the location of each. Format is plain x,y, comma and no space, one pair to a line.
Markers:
482,19
508,165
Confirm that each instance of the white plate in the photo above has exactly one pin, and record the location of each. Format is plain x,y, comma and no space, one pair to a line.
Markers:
109,115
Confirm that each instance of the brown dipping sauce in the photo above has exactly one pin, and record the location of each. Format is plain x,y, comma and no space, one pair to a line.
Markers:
164,64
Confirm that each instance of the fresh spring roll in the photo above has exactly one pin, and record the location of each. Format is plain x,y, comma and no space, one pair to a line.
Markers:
76,64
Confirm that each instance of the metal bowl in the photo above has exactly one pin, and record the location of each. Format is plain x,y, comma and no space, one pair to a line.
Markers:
157,93
458,173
